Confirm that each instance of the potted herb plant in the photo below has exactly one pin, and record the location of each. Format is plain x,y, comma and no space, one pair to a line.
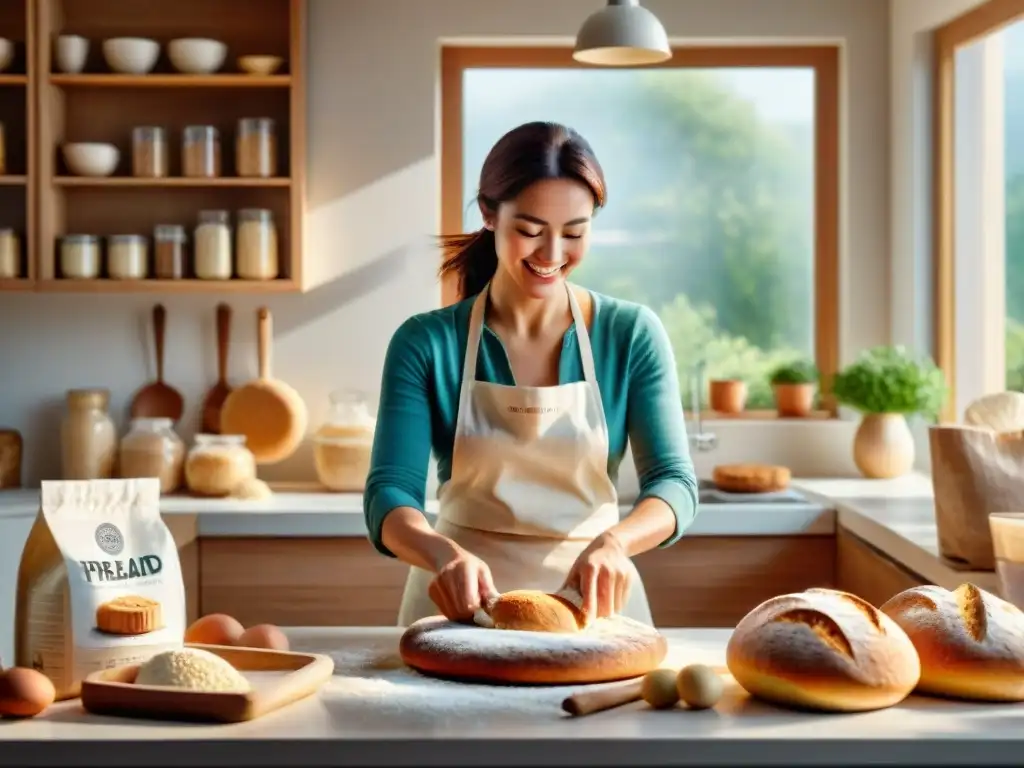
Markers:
887,384
794,386
728,396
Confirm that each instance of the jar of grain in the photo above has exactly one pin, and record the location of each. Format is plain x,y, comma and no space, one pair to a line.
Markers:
88,439
149,152
200,151
343,444
218,464
152,449
213,259
256,244
256,147
10,253
170,246
127,257
80,257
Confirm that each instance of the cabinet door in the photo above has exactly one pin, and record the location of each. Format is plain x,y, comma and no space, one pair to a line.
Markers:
867,573
13,534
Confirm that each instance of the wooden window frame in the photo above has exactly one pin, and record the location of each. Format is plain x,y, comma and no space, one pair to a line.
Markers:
823,59
963,30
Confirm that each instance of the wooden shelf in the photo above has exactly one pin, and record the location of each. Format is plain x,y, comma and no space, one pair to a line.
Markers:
100,106
15,180
171,181
6,79
167,286
157,80
17,284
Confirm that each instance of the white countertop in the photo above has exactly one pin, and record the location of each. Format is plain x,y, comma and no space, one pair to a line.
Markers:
394,716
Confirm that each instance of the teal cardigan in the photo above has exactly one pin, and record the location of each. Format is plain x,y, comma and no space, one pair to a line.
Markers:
636,372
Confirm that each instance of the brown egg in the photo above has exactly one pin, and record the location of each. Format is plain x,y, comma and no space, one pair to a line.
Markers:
214,629
24,692
699,686
263,636
659,688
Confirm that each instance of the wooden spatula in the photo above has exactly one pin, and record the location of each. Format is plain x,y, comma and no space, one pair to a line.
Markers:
219,392
158,400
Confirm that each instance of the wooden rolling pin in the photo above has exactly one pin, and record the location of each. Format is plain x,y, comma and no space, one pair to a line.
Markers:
608,697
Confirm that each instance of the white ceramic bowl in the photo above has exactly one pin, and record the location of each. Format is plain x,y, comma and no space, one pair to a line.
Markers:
260,65
131,55
91,158
196,55
6,53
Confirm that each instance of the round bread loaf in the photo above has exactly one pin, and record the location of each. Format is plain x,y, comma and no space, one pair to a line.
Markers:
609,649
824,650
970,642
750,478
534,611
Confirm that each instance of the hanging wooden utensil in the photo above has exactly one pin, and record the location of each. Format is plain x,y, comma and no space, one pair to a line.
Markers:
219,392
158,400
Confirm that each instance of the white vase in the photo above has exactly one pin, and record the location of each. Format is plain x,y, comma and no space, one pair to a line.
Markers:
883,446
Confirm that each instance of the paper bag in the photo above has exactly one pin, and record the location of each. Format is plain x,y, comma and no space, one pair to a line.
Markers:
975,472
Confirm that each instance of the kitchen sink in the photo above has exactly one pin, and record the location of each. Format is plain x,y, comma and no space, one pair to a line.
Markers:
709,494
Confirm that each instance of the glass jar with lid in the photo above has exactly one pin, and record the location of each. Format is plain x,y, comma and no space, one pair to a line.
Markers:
88,438
200,151
343,443
218,464
80,257
127,257
212,247
256,147
149,152
256,245
152,449
170,246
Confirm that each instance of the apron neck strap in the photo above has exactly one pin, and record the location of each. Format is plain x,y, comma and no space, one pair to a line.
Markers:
476,325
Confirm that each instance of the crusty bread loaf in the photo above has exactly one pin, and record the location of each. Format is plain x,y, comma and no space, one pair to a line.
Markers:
609,649
534,611
970,642
750,478
825,650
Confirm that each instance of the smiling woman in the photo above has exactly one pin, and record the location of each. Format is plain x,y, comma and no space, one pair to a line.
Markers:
527,391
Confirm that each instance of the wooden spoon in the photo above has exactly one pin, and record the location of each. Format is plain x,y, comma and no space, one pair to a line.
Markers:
219,392
158,400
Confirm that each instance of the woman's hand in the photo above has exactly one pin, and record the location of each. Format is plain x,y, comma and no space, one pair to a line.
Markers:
462,585
602,575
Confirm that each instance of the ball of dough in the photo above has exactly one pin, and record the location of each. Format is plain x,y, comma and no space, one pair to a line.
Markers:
659,688
194,669
699,686
534,611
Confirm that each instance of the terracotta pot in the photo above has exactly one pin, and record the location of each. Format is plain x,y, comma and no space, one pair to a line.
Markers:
794,400
883,446
728,395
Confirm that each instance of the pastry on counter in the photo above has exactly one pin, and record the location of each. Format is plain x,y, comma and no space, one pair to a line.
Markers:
970,642
751,478
824,650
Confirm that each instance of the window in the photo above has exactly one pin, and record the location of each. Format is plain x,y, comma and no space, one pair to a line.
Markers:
722,172
979,201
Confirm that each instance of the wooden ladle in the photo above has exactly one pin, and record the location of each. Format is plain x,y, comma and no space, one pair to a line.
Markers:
219,392
158,400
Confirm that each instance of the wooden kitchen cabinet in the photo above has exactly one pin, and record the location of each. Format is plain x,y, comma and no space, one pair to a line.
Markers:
699,582
864,571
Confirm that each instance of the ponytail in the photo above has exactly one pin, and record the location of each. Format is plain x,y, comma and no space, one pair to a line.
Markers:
472,257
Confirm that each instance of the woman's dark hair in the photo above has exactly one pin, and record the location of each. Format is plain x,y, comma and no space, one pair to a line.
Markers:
530,153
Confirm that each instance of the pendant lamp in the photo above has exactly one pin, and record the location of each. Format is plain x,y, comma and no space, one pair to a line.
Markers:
622,35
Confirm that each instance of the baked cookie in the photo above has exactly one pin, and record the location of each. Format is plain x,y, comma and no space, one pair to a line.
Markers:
751,478
129,615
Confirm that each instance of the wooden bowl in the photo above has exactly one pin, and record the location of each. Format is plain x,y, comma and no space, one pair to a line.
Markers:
259,65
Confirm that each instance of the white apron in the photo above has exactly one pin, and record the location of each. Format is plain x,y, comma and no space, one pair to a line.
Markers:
529,488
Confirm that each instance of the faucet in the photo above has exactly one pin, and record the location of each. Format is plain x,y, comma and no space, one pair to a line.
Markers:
699,439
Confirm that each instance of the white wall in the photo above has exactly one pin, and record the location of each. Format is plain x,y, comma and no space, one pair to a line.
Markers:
373,202
910,56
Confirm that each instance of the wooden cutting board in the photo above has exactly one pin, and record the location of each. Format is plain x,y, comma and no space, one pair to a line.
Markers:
278,678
